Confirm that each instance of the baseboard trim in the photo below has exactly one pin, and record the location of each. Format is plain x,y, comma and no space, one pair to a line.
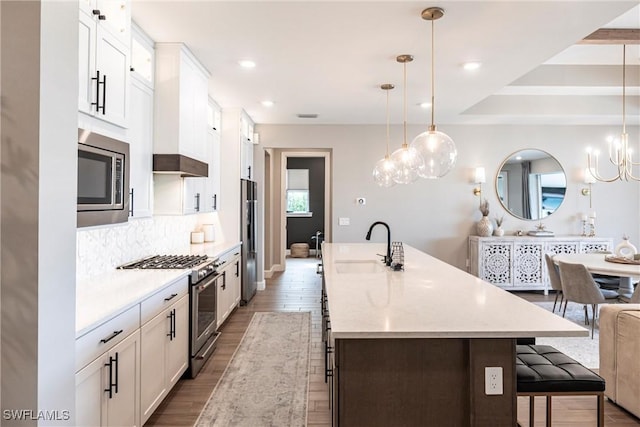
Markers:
268,274
262,285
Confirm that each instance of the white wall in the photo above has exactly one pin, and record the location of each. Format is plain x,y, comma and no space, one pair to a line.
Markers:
436,216
39,143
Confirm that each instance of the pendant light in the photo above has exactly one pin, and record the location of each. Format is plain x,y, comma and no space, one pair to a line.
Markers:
620,154
436,148
406,159
385,168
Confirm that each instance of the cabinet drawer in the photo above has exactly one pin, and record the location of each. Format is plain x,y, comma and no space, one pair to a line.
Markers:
150,307
104,337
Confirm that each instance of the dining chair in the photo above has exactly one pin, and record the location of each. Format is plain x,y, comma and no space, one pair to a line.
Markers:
605,281
578,286
554,279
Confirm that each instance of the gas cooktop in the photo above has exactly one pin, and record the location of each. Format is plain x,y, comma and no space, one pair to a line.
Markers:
167,262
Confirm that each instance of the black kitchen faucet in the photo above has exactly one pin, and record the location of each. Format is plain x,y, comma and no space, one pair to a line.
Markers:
387,258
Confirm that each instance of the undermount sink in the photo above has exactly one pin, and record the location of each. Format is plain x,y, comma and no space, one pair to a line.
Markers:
359,267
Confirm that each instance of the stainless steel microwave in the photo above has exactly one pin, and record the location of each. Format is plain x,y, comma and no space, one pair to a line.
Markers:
103,179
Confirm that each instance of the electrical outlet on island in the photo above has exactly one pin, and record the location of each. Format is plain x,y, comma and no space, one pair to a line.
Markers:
493,380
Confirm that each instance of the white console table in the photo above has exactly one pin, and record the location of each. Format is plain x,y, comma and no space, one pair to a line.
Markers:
516,263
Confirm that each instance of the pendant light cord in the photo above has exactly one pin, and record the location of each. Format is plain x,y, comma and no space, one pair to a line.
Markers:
387,156
433,93
624,56
404,94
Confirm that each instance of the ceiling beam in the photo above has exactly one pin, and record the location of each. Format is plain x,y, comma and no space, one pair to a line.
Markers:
613,36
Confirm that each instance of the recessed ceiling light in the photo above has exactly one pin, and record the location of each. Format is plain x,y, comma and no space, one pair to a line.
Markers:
425,105
307,116
471,65
267,103
247,63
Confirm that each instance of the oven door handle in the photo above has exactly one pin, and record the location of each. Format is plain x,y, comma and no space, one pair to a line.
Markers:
210,281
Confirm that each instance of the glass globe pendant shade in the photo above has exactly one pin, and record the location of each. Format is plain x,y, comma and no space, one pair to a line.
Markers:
384,171
438,153
407,162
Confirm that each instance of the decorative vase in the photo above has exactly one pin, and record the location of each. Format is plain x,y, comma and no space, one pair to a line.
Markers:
484,227
499,231
625,249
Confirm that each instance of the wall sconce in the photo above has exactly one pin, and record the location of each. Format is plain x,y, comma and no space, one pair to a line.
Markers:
479,178
589,179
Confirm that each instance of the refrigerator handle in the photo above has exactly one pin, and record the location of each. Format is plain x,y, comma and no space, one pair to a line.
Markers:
254,214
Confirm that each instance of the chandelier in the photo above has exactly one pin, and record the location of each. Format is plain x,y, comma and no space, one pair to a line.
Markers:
620,154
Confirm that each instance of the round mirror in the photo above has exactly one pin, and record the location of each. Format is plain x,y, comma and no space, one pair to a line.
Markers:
531,184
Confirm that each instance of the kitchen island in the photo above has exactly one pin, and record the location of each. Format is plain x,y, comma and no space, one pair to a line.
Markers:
411,347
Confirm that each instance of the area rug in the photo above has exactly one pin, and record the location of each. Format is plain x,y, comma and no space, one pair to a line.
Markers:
583,349
266,381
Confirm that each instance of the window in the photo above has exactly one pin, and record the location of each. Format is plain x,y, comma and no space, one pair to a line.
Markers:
298,192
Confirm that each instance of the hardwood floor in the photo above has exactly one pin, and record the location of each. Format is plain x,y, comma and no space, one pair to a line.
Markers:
298,289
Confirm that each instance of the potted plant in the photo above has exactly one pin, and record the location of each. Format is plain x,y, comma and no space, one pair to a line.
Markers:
484,227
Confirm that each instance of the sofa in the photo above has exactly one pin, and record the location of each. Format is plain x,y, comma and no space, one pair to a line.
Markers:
620,354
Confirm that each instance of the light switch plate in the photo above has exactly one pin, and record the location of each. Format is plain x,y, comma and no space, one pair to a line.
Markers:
493,380
344,221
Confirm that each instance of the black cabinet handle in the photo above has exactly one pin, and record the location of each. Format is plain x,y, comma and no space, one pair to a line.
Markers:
249,172
112,336
215,202
131,69
237,268
97,79
224,280
110,389
104,94
102,17
115,361
214,128
171,297
131,202
113,373
96,11
197,207
172,324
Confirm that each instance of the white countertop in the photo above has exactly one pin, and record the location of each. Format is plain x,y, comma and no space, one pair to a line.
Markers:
429,299
103,297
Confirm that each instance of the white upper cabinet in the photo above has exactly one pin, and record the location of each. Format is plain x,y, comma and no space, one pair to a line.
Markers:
142,56
104,50
211,199
246,146
181,102
140,132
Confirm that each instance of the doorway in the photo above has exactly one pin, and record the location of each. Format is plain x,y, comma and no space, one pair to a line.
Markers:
306,221
300,227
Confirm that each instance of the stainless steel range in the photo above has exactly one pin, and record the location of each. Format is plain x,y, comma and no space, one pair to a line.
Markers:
202,294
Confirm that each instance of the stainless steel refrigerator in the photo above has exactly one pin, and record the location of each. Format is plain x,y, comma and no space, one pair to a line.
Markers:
248,235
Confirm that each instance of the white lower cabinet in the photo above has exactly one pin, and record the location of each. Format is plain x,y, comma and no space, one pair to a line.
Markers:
165,341
127,365
517,263
108,389
228,291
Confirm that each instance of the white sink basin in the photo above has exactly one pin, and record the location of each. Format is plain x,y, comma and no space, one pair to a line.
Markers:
359,267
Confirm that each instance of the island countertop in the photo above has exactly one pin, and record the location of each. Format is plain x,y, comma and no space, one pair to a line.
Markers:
429,299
